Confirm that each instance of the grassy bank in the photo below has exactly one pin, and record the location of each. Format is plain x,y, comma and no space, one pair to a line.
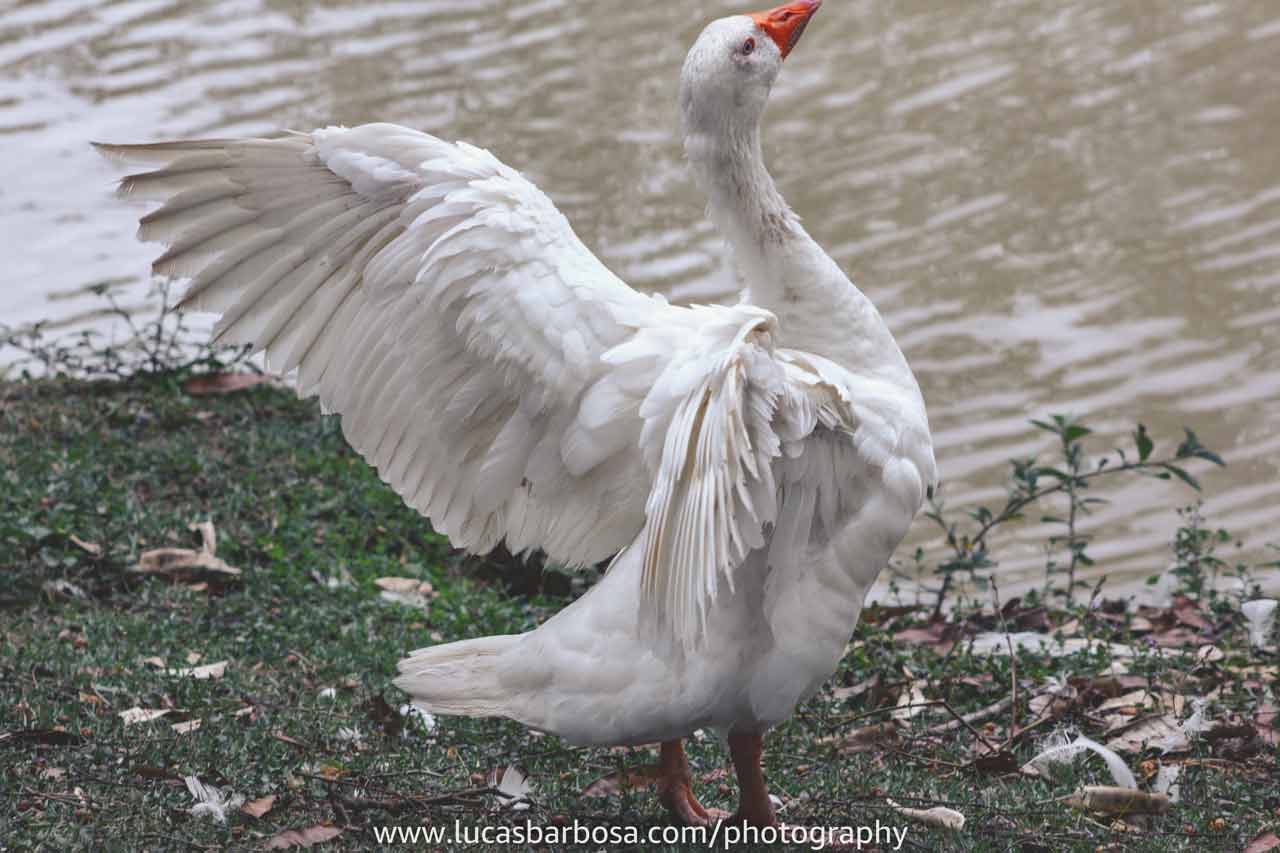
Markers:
95,476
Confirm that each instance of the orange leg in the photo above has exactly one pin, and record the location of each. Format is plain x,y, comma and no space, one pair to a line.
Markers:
753,797
675,788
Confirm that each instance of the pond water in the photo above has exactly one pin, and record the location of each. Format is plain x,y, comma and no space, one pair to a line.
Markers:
1067,206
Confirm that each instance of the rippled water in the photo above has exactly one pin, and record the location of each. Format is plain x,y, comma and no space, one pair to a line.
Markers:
1059,206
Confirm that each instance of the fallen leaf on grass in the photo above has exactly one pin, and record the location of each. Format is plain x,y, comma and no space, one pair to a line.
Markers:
1145,699
1188,613
133,716
284,738
939,817
308,837
1267,721
187,727
408,591
211,384
1209,654
201,673
1052,699
91,548
46,737
1111,800
184,562
631,779
76,639
841,694
1160,731
864,739
1264,842
257,808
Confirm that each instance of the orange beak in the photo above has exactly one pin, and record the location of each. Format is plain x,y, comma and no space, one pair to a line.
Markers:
786,23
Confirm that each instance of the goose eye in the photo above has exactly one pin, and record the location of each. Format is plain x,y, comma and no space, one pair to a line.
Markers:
749,45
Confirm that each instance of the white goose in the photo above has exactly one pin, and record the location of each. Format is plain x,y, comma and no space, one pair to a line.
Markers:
749,468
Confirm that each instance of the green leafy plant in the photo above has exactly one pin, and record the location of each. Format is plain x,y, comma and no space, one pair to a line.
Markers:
163,345
1066,481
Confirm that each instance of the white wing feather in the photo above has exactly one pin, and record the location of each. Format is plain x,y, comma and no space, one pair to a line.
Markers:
498,376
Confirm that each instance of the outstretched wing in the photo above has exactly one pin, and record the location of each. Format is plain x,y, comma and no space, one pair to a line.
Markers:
439,302
499,377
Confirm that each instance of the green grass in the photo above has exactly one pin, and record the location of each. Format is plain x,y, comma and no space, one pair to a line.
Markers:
129,466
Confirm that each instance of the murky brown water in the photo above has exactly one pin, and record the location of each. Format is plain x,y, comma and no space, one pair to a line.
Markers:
1059,206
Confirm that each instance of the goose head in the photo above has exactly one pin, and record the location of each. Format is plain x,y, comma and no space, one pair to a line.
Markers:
730,69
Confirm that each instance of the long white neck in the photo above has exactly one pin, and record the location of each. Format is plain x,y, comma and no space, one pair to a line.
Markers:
783,269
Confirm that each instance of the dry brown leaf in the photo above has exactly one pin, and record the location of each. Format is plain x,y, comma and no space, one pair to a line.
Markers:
1112,800
630,779
864,739
1144,699
408,591
1162,732
1264,842
939,817
211,384
202,673
257,808
133,716
1209,654
155,661
1188,613
284,738
186,728
182,562
91,548
1267,721
308,837
841,694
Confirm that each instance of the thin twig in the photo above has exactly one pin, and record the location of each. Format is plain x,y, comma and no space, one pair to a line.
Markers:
932,703
972,717
1013,666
